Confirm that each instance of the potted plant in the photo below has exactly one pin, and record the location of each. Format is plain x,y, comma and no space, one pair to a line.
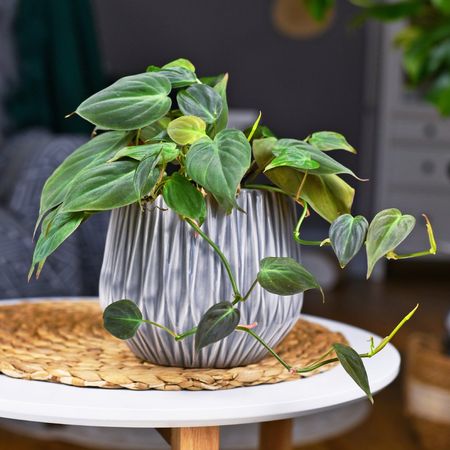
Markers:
196,250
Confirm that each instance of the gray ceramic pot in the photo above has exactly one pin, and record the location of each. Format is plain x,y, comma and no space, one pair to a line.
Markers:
174,276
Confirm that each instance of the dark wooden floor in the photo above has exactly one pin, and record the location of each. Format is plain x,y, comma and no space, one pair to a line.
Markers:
377,307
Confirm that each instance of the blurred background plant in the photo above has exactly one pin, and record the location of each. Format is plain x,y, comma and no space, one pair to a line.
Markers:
424,40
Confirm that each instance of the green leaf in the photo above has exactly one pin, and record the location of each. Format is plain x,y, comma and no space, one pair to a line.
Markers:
393,11
439,56
122,319
285,276
261,132
146,175
128,104
103,187
56,228
181,196
156,131
328,195
353,365
179,76
327,165
221,88
186,129
347,235
319,8
388,229
168,151
217,323
202,101
295,158
254,127
329,140
180,62
442,5
95,152
219,165
439,94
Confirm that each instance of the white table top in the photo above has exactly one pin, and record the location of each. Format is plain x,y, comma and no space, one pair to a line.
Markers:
56,403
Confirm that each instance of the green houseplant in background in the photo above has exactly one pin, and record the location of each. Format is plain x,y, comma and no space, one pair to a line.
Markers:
162,135
424,40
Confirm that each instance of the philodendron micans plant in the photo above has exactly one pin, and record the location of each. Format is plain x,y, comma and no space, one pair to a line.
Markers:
164,132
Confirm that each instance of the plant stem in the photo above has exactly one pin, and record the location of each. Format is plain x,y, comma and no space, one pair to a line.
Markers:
265,345
322,362
178,337
431,251
223,258
190,332
138,136
373,351
300,188
155,324
385,341
264,187
247,295
297,230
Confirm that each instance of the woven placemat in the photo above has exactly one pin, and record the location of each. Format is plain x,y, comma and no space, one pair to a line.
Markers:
64,342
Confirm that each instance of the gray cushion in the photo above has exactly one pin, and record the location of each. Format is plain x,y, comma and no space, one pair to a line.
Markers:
39,156
62,274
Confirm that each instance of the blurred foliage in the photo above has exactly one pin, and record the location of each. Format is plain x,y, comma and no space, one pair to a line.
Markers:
424,40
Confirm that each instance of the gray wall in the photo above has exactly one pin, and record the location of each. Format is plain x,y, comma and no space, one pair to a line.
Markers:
300,85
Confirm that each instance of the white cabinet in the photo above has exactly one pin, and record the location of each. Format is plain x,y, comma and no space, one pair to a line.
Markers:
409,145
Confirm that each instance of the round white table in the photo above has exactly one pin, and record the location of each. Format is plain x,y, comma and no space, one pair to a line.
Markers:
191,420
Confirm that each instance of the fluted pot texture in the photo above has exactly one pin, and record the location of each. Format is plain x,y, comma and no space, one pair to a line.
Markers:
173,275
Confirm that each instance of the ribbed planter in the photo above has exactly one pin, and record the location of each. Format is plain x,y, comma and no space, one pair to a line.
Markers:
155,259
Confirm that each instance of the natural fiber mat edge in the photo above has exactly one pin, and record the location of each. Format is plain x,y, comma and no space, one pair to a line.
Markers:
64,342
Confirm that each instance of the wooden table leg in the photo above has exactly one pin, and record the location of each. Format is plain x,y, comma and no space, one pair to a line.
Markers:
276,435
199,438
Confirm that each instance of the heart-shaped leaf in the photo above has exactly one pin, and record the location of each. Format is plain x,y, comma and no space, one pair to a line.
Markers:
221,88
202,101
179,76
146,175
128,104
347,235
329,140
104,187
353,365
186,129
180,62
327,165
182,196
285,276
217,323
219,165
328,195
56,228
388,229
167,150
122,319
96,151
295,158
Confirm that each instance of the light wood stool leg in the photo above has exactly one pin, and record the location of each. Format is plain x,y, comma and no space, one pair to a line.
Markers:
201,438
276,435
